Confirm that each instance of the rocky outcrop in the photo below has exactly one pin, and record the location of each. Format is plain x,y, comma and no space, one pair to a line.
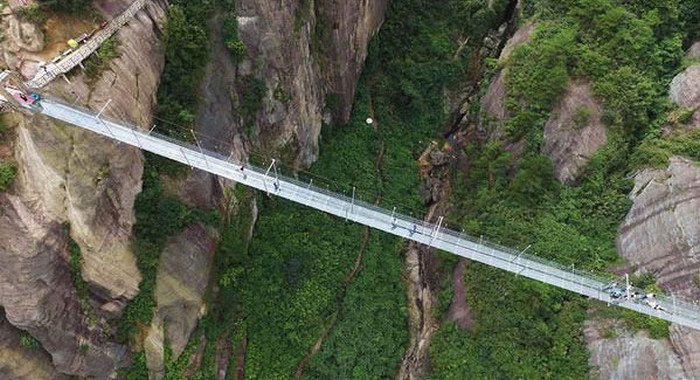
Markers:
685,91
521,36
694,50
661,233
36,291
183,275
24,35
574,131
306,52
619,354
20,361
94,189
67,175
493,114
346,28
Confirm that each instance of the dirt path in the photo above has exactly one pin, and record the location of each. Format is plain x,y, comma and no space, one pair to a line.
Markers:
240,358
351,275
334,318
459,309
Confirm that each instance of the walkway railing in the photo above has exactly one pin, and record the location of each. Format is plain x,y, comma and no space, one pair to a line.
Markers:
519,262
67,64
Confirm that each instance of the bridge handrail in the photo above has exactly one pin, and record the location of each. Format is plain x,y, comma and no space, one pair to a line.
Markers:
564,274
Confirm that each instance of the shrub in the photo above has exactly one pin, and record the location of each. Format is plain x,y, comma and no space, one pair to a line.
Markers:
582,116
99,61
230,31
27,341
8,172
72,6
31,14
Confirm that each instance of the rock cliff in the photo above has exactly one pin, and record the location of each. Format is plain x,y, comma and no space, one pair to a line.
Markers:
574,131
71,176
23,361
36,291
310,54
659,235
183,274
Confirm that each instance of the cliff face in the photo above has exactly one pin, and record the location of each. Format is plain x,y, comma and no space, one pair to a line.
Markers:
307,52
71,176
20,360
661,235
36,291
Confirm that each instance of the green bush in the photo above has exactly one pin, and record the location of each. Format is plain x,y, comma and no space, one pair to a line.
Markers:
31,14
230,31
8,172
98,62
27,341
582,116
72,6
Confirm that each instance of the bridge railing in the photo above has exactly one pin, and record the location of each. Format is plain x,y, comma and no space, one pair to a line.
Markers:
562,274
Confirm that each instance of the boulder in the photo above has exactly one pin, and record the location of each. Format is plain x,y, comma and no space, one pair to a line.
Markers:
685,91
25,35
694,50
183,275
661,235
521,36
574,131
287,52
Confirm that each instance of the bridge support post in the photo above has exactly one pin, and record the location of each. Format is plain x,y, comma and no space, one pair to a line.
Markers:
436,231
105,124
266,174
352,204
201,151
186,159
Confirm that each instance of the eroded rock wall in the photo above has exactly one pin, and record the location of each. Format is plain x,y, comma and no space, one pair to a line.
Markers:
22,361
305,51
36,291
68,176
89,181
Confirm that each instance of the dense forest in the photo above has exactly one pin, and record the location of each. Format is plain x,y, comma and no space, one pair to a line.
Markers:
305,275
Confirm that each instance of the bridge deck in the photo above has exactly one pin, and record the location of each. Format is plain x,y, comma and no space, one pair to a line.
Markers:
81,53
522,264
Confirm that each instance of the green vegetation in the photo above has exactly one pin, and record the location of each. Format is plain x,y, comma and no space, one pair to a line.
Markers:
582,116
27,341
98,62
629,53
31,14
71,6
233,43
253,90
8,172
696,280
75,263
291,285
186,54
158,216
